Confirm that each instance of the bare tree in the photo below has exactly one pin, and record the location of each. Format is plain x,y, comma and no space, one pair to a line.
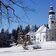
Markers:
7,9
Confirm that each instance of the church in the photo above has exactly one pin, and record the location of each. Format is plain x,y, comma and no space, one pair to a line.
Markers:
47,32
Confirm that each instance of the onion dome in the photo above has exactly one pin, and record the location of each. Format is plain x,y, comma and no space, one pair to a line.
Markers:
51,11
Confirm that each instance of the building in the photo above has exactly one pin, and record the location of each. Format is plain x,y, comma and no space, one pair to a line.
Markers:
52,24
31,36
41,33
45,33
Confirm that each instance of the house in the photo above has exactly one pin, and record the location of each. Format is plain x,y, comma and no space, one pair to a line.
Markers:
31,36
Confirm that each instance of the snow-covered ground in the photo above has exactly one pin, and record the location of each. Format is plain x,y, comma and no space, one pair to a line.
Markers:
49,45
48,49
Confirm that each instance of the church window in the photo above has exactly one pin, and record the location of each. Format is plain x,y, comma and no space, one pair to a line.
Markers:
52,21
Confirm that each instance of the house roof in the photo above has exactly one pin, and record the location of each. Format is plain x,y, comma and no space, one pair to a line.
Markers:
31,33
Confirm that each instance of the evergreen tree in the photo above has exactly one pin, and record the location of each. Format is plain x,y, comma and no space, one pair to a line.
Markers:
35,28
7,31
2,30
27,29
14,34
20,30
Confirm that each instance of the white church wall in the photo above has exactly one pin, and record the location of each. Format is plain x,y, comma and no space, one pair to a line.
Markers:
41,37
41,34
52,24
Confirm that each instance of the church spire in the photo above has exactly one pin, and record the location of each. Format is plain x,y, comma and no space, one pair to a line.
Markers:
51,11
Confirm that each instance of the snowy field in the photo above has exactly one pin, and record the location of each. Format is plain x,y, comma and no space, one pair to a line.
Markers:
48,49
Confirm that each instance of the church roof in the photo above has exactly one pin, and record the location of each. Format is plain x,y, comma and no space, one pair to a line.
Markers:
42,28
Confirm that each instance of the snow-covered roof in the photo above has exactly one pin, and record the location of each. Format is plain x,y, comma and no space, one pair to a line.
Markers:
31,33
42,28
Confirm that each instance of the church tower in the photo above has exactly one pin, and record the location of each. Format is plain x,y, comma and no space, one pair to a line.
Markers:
51,19
52,25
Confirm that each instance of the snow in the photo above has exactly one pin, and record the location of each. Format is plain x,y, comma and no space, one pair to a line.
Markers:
49,45
30,53
48,49
43,28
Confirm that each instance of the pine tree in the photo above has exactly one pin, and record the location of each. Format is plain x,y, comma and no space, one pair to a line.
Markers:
27,28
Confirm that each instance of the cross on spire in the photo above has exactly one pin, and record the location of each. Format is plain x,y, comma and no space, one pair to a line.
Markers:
51,3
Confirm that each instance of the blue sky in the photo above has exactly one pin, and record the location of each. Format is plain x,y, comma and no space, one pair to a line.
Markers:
38,18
